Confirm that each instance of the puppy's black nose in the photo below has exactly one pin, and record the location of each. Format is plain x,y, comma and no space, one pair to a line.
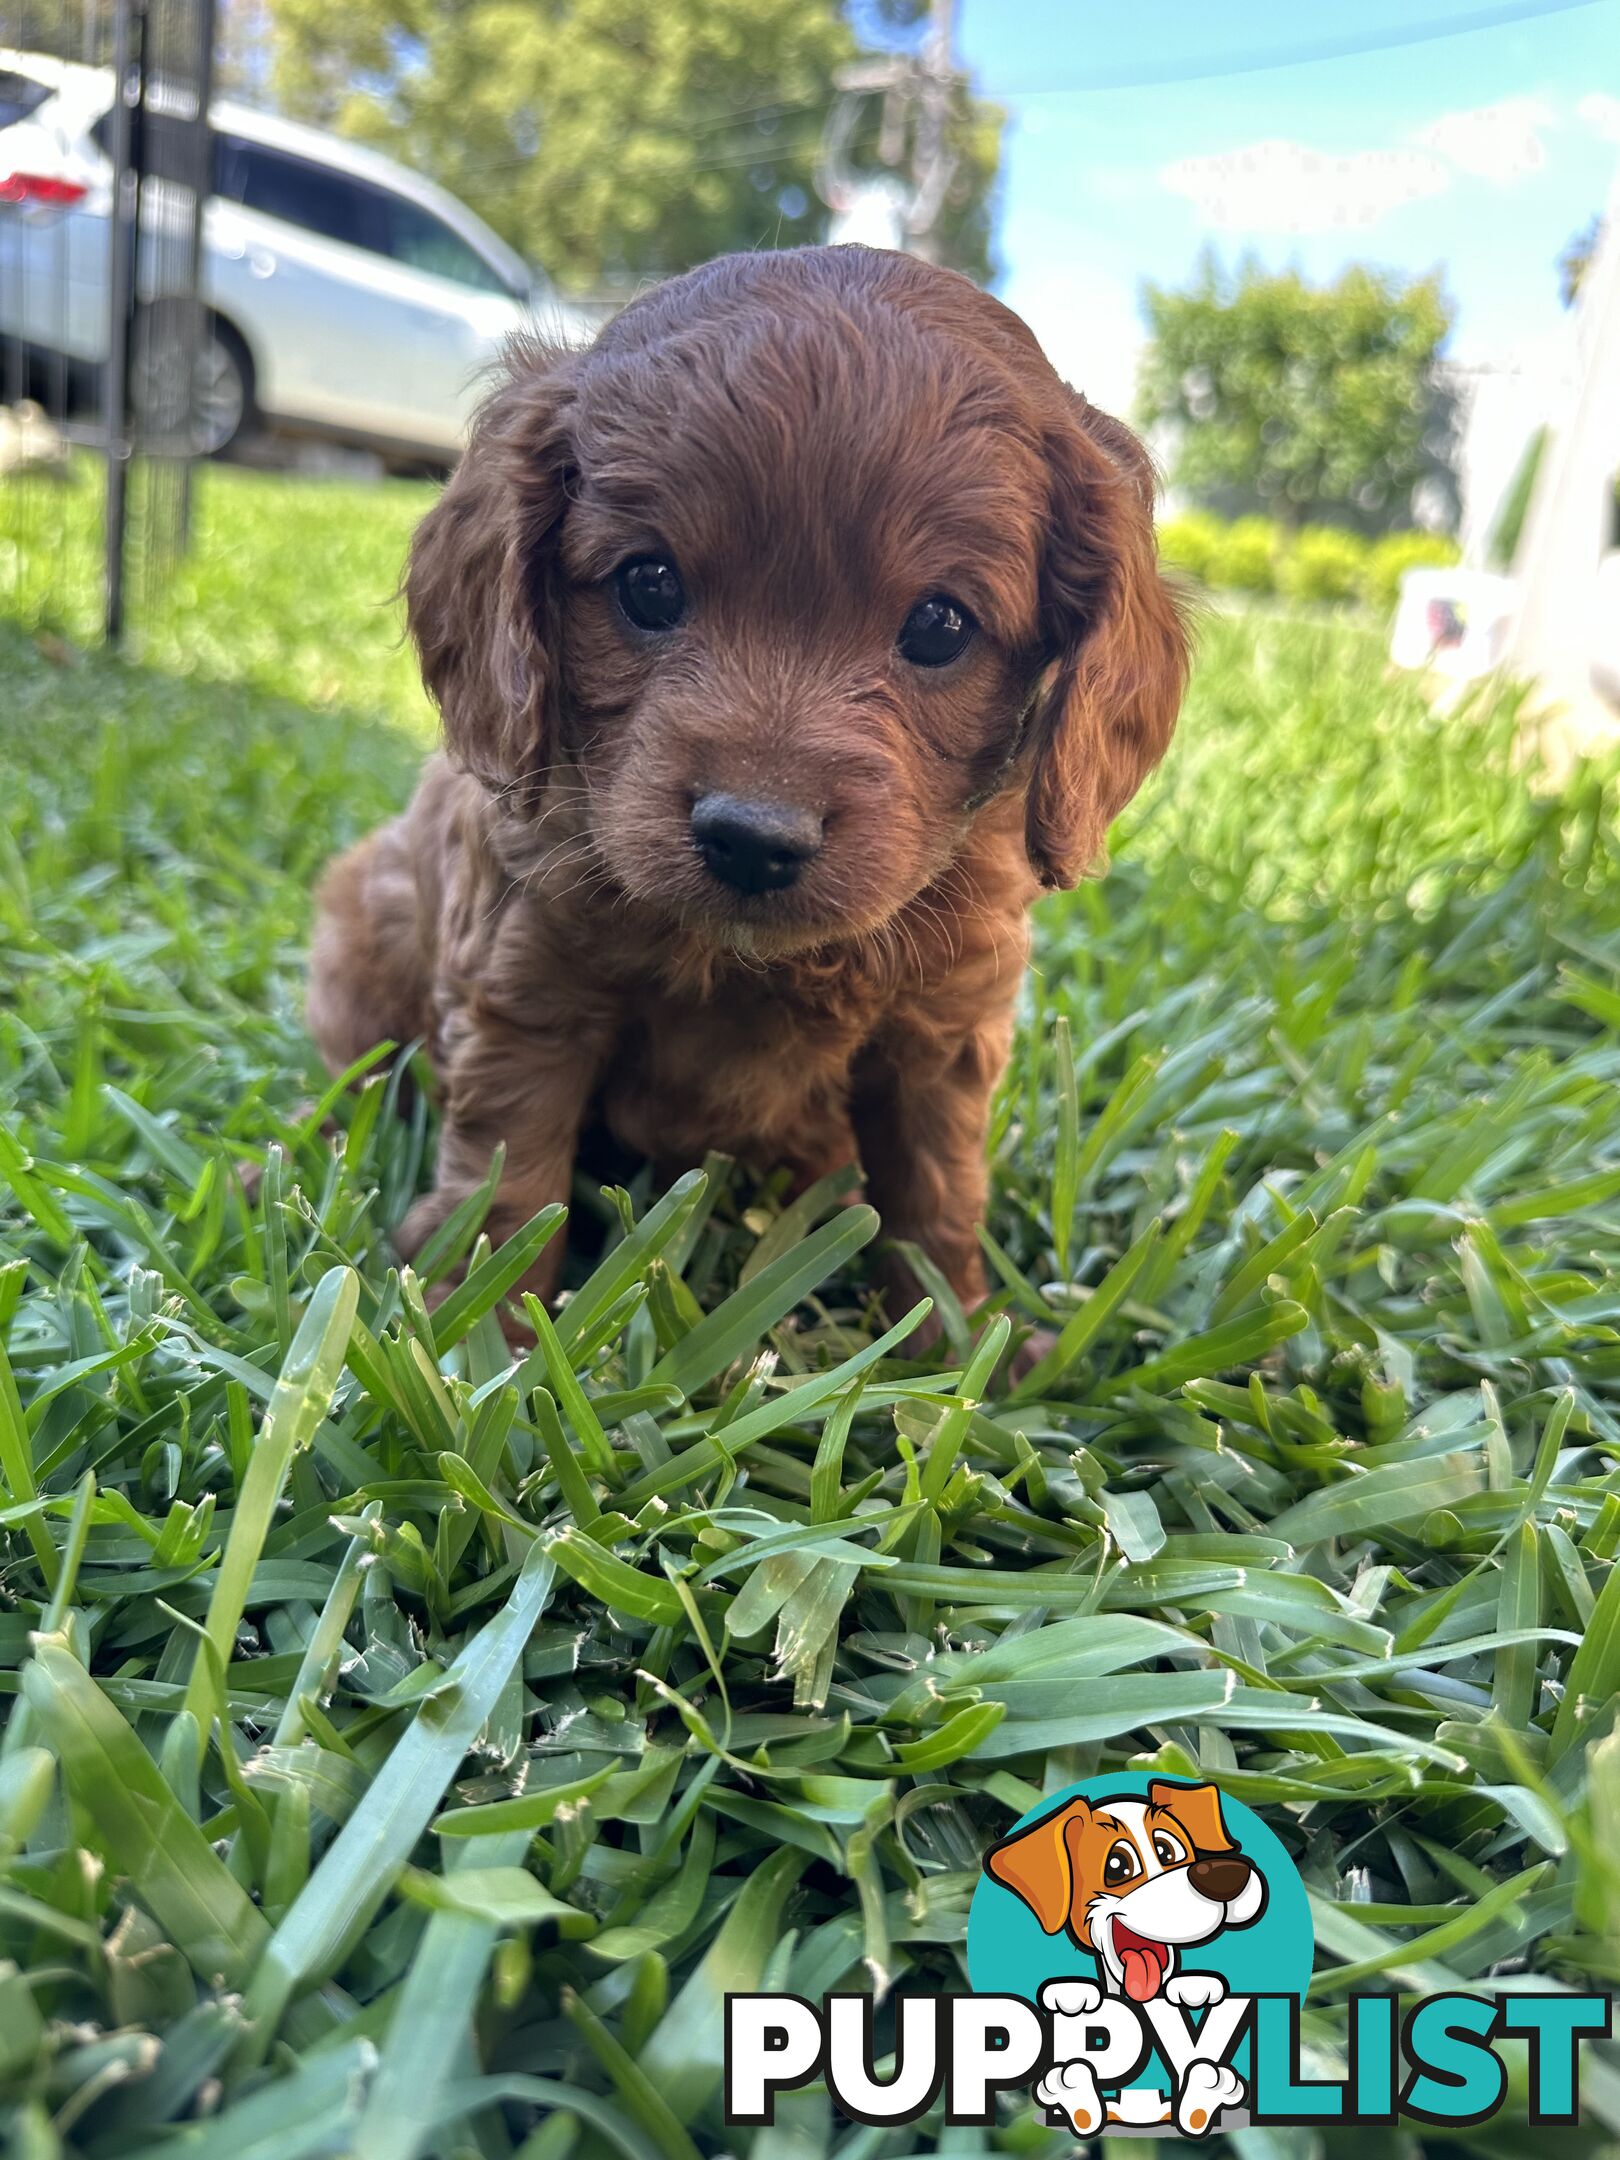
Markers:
1220,1876
754,847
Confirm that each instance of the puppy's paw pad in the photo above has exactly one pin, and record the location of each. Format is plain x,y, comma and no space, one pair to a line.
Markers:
1071,1998
1205,2090
1195,1990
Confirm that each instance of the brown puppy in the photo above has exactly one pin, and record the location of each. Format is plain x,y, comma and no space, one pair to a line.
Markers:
787,641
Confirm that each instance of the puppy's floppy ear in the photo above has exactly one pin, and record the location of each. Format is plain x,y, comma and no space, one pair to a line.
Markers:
1035,1865
480,590
1198,1810
1118,641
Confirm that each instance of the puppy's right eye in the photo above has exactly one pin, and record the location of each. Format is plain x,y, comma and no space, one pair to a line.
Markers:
935,632
651,593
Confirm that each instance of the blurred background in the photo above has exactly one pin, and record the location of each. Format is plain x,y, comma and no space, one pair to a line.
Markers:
1341,271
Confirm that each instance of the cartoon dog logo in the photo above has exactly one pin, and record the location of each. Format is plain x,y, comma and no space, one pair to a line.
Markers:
1136,1882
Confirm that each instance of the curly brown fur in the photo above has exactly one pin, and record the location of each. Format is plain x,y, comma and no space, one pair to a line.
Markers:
819,440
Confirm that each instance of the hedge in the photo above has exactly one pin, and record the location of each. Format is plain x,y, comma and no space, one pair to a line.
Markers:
1310,562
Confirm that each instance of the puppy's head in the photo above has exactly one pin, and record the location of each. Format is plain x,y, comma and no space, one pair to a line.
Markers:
806,562
1133,1880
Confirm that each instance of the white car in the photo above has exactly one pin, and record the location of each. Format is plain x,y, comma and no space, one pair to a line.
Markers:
346,297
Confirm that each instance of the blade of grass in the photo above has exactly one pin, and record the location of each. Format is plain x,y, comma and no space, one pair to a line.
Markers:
172,1869
301,1400
363,1861
723,1335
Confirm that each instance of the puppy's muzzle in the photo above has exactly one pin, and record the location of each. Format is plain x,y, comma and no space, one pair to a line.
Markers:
1220,1876
754,847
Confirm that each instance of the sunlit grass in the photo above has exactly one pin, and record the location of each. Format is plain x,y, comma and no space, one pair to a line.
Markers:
290,584
1325,1504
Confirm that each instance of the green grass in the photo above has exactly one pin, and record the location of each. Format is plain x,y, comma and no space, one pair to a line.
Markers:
289,587
404,1755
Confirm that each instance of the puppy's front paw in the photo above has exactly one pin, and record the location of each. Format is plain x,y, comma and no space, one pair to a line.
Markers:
1205,2090
1195,1990
1071,1998
420,1221
1070,2090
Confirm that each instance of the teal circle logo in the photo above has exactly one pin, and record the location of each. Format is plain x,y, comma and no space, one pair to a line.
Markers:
1139,1884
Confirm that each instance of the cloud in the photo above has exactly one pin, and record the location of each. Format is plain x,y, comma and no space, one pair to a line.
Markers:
1287,187
1601,112
1501,143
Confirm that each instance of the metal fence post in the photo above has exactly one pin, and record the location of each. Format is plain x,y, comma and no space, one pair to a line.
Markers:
123,234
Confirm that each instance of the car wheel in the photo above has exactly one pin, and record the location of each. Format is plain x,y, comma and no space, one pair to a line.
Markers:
213,414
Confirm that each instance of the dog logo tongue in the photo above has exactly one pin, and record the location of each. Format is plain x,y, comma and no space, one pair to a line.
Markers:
1142,1963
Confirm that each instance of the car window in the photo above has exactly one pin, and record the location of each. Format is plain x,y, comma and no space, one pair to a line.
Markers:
414,236
320,200
302,193
227,175
20,95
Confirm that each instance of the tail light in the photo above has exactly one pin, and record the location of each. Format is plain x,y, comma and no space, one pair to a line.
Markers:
27,187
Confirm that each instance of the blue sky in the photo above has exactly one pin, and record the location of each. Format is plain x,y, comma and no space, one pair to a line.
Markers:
1480,153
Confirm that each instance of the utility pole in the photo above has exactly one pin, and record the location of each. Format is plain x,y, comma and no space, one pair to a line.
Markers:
898,203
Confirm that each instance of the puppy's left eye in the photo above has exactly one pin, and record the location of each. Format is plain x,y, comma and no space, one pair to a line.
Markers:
1166,1850
936,631
651,592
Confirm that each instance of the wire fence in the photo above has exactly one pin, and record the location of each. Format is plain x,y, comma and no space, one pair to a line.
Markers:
105,159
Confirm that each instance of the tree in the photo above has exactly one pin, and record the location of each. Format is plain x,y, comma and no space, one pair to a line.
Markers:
1298,400
607,141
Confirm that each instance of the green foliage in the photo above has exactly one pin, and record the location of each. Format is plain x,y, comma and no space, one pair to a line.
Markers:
1316,563
1322,562
45,26
696,1654
1389,559
605,141
1191,541
1293,398
1246,558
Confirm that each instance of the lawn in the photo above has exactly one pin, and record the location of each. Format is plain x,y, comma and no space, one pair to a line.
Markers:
406,1754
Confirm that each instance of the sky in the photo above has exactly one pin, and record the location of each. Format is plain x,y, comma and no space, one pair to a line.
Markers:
1480,152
